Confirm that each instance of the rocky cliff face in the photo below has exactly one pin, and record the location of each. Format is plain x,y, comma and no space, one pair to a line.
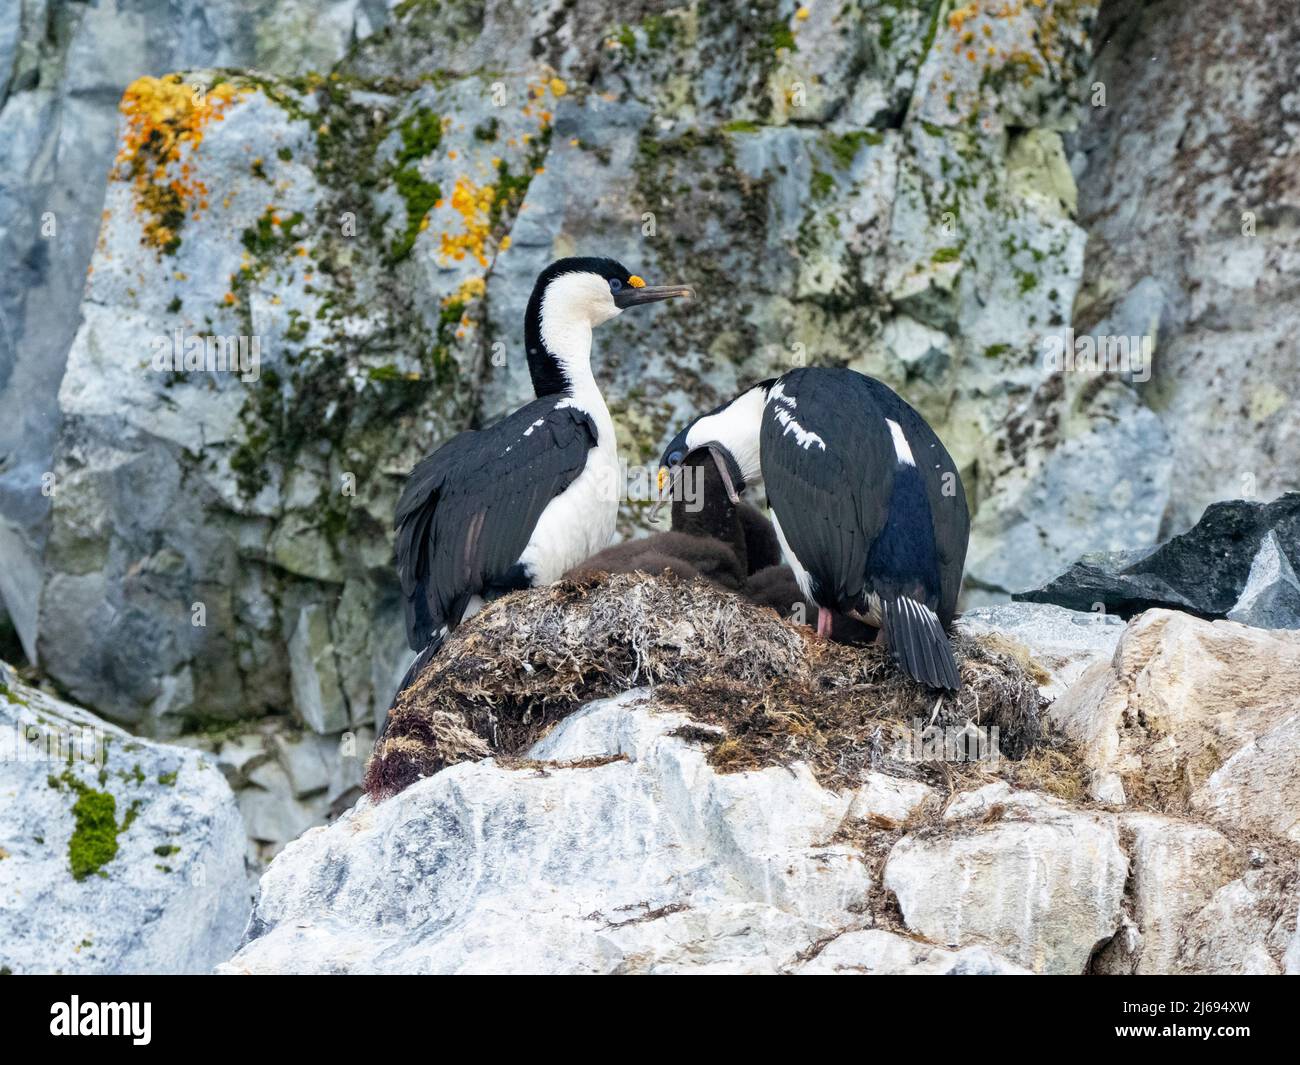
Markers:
869,186
63,67
361,193
1189,189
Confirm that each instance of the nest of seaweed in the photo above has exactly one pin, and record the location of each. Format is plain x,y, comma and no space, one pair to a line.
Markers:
771,692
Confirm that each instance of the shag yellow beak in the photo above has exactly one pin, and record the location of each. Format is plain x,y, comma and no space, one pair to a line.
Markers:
664,485
636,282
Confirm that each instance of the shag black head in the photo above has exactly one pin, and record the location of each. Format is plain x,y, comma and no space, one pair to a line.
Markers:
576,294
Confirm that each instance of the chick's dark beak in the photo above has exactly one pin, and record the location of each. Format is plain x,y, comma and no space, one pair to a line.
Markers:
633,297
720,461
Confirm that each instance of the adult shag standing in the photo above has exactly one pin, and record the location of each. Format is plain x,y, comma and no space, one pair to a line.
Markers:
518,503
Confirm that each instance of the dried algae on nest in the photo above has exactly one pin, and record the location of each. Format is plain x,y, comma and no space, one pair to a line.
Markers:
766,691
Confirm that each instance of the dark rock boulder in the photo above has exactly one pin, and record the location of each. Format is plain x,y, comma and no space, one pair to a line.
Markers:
1205,571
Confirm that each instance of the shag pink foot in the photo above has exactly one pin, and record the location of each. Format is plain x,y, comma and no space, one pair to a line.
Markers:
823,623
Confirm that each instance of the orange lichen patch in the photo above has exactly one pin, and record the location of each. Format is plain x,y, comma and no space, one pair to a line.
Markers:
474,205
1029,64
472,288
163,116
1047,35
962,14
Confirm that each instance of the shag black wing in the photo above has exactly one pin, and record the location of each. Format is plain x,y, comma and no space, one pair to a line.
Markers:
469,509
828,469
833,501
945,493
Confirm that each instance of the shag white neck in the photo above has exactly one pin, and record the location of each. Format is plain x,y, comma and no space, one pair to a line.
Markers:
736,427
571,308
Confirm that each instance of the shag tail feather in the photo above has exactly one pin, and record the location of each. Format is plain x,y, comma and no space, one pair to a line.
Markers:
916,638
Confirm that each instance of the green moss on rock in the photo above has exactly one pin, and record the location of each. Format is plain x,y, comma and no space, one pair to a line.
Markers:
421,135
844,147
93,843
94,840
10,696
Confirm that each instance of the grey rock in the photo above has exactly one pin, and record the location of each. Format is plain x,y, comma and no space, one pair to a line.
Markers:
261,554
1161,211
62,70
1042,883
876,952
1246,929
316,691
1176,869
883,798
286,780
1080,492
240,754
20,584
9,39
1064,642
307,760
1271,598
1171,723
694,871
272,814
168,895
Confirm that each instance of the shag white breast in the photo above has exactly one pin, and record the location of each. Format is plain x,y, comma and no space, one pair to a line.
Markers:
580,520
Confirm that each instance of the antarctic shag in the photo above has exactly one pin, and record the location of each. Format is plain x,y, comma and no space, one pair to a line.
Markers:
867,503
516,504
